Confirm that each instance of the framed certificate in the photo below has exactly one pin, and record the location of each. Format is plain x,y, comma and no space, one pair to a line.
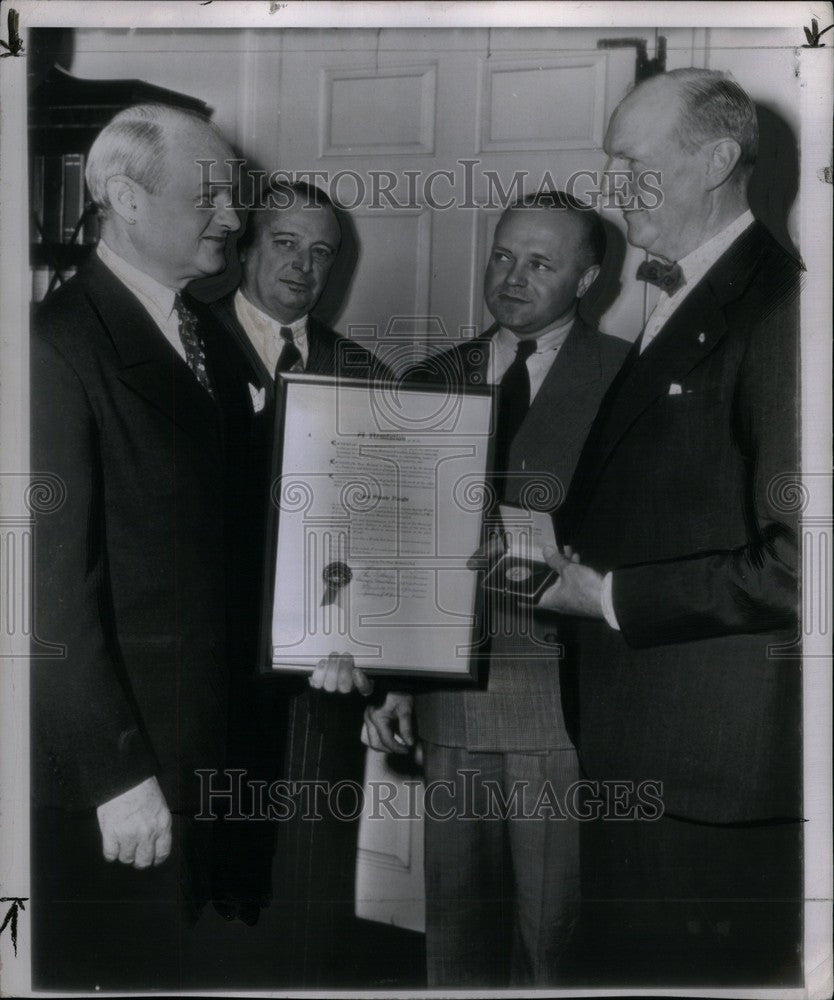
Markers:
378,495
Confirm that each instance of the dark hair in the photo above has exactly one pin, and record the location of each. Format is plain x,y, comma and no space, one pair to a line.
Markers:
278,197
713,106
594,239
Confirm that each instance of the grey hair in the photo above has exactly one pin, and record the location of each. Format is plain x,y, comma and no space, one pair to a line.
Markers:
714,106
135,144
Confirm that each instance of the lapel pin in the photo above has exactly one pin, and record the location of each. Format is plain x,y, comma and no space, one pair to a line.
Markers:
701,338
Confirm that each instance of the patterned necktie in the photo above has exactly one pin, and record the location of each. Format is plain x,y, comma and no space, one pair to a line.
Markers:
195,354
290,355
514,402
668,277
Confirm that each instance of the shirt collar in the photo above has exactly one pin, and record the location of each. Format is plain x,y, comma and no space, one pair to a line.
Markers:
696,264
549,340
266,323
149,291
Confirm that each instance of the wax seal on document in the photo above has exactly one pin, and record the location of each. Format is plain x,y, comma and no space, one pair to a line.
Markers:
336,575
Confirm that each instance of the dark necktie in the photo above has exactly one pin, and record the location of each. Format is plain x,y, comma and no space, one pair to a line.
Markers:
668,277
195,353
290,354
514,402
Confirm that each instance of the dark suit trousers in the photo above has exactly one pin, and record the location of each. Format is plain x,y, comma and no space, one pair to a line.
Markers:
105,925
673,902
502,894
314,875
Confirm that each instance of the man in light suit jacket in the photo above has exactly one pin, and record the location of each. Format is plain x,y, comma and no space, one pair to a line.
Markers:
502,892
284,727
132,404
686,593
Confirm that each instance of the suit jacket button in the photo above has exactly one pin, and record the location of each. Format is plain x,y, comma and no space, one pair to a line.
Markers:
551,637
524,463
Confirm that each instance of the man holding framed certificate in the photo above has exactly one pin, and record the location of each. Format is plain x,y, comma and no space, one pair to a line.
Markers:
502,879
284,728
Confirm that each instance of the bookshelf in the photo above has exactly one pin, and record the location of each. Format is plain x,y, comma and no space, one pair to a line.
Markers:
65,115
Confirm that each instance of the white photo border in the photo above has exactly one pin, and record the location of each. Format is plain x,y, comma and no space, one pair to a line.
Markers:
815,237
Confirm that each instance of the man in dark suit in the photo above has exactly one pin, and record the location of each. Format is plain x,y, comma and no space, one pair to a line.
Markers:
686,593
502,892
283,726
132,402
286,253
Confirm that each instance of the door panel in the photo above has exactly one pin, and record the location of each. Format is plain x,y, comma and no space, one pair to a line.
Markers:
471,116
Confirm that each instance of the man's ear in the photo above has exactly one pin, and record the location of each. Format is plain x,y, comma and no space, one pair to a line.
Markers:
724,154
124,196
586,279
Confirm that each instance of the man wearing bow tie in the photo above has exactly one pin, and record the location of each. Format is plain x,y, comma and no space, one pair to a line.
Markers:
133,399
681,565
502,892
290,727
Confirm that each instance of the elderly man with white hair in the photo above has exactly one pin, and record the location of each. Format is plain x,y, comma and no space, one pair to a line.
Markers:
134,401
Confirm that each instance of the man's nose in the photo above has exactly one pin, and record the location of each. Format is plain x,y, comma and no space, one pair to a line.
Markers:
303,261
227,217
516,275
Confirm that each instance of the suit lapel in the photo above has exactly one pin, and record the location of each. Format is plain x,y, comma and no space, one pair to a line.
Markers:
320,349
691,333
147,363
576,365
224,311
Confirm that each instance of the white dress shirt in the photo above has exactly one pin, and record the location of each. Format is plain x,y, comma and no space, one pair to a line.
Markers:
156,298
265,333
694,266
505,344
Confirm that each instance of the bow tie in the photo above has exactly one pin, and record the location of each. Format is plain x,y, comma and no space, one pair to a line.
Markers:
669,277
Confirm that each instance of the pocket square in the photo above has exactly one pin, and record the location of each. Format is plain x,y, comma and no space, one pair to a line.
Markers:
675,389
258,398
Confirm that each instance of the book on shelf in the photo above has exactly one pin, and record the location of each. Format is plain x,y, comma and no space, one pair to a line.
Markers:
58,194
52,199
72,194
36,196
